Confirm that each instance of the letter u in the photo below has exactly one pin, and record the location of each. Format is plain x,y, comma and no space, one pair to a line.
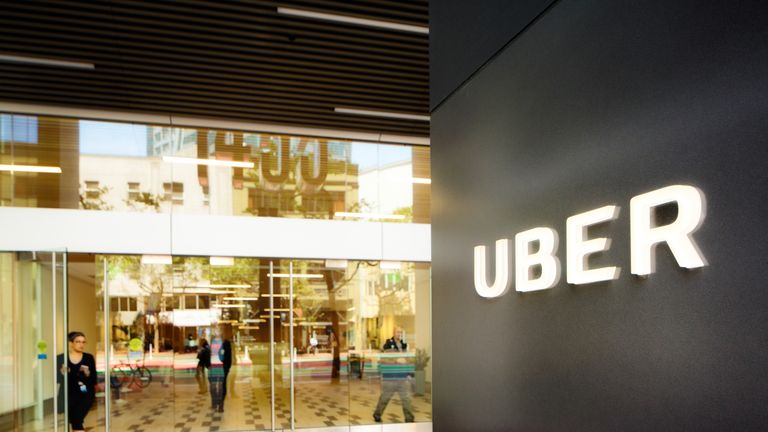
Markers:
502,281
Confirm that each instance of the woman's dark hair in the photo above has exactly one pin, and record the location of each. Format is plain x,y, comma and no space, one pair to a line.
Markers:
74,335
203,342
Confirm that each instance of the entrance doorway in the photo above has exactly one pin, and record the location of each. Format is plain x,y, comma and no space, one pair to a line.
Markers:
33,294
295,344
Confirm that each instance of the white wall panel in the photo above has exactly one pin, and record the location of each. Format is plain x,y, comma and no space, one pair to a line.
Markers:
151,233
84,231
406,242
275,237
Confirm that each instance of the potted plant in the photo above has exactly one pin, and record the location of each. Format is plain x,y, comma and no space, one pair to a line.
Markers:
421,360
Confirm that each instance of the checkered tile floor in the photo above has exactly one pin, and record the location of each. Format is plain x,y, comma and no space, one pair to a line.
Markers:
176,405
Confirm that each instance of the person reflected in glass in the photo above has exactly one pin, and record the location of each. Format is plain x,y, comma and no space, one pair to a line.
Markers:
333,343
203,364
80,371
396,376
219,371
190,345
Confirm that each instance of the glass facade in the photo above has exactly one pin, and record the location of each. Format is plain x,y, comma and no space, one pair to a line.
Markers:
191,342
143,168
145,323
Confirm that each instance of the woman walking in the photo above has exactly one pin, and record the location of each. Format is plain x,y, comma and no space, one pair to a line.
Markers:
81,380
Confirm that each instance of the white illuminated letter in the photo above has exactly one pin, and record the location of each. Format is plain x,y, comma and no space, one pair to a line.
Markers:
545,257
691,209
501,282
578,248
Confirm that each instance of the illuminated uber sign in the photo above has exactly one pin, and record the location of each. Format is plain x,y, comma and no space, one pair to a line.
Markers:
644,236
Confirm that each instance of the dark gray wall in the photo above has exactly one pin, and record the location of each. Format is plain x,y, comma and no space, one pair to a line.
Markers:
468,34
596,102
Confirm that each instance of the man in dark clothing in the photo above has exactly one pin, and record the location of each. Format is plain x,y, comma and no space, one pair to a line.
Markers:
217,376
225,355
396,374
203,363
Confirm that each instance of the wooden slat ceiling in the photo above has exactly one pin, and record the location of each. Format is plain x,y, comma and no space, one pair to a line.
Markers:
237,60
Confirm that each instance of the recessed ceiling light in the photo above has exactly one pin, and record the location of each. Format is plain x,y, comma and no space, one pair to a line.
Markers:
336,264
370,215
210,162
221,261
45,61
295,275
229,286
352,20
31,168
387,114
414,180
390,265
157,259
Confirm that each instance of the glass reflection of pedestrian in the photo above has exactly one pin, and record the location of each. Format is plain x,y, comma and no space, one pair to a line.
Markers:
395,377
203,363
81,380
335,355
217,375
225,355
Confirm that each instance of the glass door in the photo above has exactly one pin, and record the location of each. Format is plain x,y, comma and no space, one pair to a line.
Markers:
187,343
247,344
33,343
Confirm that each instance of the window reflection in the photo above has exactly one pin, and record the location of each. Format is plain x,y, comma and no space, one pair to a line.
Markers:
120,167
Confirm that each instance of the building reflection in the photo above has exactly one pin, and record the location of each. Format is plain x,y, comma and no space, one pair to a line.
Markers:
141,168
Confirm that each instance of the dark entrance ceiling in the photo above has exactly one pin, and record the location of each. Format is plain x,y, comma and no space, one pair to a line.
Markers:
237,60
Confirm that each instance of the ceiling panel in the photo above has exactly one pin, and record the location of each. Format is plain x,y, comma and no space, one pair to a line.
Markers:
237,60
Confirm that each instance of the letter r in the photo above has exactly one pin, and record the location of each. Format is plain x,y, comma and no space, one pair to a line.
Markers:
691,206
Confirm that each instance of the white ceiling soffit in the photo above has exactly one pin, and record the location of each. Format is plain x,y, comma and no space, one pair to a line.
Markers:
179,234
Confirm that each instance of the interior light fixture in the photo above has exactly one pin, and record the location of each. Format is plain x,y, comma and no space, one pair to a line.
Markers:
370,215
386,114
336,264
209,162
191,290
353,20
296,275
221,261
156,259
249,327
221,292
390,265
317,323
414,180
277,295
31,168
45,61
277,310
